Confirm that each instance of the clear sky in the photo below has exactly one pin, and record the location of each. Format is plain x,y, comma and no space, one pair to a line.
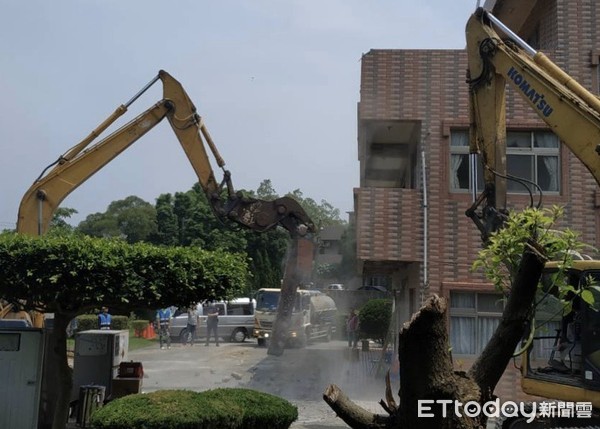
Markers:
276,81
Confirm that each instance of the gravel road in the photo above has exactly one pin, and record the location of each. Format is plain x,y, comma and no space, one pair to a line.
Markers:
299,375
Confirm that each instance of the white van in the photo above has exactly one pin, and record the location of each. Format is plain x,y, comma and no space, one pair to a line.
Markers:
236,320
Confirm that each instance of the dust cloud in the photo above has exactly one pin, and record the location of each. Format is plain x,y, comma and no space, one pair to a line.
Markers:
304,374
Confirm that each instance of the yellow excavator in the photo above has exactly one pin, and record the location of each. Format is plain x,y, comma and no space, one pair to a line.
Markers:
84,159
573,114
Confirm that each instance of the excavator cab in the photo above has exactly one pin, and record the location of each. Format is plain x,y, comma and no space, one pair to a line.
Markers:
563,360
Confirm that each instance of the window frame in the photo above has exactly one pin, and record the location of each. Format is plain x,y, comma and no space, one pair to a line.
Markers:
473,313
533,152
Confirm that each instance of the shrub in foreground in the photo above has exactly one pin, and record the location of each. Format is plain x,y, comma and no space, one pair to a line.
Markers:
225,408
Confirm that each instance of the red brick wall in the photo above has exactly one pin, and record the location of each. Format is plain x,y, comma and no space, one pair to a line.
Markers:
389,224
429,86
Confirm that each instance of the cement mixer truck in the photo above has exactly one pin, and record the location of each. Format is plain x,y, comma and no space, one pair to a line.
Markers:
313,316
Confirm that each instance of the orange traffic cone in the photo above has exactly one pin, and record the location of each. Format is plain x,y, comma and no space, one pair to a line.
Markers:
149,332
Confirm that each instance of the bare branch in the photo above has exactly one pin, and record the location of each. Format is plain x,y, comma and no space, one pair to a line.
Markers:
352,414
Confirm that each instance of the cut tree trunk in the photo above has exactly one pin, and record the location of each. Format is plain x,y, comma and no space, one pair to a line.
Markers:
351,413
287,298
426,369
491,363
427,373
64,372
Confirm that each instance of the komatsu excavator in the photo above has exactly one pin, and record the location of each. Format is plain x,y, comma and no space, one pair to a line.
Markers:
573,114
80,162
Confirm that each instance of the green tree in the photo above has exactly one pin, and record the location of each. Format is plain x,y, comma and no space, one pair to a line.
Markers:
59,224
266,191
70,275
166,222
187,219
374,319
132,219
323,214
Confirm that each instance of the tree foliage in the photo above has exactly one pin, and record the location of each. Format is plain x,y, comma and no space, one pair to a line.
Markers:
72,274
186,219
58,224
322,214
374,318
132,219
501,258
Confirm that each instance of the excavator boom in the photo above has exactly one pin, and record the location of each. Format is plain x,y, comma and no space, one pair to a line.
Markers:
573,114
569,110
83,160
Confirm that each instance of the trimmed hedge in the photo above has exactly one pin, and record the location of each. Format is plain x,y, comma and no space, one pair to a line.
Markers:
85,322
139,325
224,408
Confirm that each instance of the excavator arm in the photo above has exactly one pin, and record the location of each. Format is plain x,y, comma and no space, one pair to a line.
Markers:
83,160
569,110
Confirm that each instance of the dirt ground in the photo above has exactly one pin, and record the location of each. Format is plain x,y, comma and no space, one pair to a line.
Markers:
300,375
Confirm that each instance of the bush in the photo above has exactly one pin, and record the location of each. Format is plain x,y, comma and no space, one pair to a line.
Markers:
225,408
374,319
139,325
85,322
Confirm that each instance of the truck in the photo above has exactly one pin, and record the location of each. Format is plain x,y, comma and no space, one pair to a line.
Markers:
573,114
313,316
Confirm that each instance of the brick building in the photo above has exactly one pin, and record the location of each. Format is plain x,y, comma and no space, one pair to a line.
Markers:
412,233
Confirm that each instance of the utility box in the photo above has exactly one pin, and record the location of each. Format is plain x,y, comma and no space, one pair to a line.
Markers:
21,361
98,355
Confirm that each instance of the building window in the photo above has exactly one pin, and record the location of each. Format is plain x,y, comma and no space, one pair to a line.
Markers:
473,319
377,280
460,170
530,155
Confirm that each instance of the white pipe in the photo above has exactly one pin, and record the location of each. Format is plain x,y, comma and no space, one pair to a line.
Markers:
425,229
511,34
473,175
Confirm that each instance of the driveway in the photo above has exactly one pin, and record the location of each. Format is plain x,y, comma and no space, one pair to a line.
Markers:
299,375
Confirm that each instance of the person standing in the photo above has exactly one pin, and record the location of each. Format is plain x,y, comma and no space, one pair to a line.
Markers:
212,323
163,320
104,319
192,323
352,329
